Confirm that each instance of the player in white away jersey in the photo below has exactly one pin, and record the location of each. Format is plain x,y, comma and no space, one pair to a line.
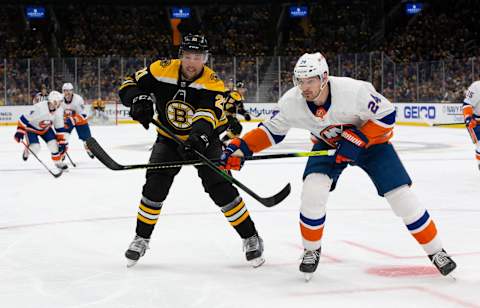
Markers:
76,115
471,114
350,116
39,122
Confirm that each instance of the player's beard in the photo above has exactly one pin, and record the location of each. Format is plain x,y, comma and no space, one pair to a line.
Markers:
190,72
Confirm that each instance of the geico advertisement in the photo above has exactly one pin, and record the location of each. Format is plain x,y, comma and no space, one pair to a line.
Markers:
433,113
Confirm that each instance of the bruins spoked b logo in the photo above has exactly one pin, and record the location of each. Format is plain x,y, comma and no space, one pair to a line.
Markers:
179,114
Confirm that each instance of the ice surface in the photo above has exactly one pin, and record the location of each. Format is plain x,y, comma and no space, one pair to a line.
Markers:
62,240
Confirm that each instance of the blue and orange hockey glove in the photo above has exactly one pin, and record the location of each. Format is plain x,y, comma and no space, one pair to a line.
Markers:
350,146
470,122
235,162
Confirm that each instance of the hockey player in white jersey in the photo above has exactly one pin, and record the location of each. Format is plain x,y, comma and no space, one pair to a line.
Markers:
39,122
471,114
350,116
76,115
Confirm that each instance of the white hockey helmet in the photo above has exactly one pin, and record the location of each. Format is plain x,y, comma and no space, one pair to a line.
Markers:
55,98
67,86
311,65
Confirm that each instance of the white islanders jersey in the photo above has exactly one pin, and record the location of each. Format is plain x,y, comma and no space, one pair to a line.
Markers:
76,106
40,118
351,102
472,97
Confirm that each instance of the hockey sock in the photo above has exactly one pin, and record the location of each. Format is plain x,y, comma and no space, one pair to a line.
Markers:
147,217
237,214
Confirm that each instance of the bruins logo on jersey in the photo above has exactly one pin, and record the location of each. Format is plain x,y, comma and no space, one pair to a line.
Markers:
179,114
165,62
214,77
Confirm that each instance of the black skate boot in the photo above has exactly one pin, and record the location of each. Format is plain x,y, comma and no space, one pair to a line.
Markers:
25,155
309,263
61,165
443,262
253,247
136,250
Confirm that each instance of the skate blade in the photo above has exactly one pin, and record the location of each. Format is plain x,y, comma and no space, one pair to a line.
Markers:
307,276
257,262
131,263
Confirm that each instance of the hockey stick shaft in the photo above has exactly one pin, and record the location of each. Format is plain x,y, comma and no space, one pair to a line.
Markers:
70,159
101,155
56,175
268,202
472,134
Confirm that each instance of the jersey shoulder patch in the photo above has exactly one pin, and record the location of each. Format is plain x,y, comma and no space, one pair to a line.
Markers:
210,81
236,96
165,69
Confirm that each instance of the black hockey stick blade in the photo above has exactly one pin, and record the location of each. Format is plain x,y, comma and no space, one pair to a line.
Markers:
102,156
277,198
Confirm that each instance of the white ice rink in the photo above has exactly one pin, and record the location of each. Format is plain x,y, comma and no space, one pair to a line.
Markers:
62,240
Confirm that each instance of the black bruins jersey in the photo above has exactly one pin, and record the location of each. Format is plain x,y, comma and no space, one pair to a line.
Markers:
233,103
179,103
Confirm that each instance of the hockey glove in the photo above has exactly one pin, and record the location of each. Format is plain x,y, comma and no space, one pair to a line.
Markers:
198,142
228,161
69,123
350,146
19,134
142,109
247,116
470,122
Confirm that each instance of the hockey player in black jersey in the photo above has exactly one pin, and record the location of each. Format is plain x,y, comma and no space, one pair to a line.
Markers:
234,106
188,99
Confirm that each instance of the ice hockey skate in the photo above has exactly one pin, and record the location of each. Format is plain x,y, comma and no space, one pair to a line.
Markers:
253,247
309,263
136,250
26,153
443,262
61,165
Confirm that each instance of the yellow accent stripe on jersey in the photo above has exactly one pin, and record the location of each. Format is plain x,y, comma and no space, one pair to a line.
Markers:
127,83
235,209
146,220
240,220
208,119
165,71
149,210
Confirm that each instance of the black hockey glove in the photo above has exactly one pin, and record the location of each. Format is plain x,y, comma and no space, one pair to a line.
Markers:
198,142
142,109
247,116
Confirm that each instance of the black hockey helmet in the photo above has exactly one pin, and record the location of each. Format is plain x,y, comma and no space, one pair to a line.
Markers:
194,42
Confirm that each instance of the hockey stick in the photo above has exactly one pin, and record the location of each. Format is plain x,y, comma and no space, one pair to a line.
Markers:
103,157
268,202
70,159
56,175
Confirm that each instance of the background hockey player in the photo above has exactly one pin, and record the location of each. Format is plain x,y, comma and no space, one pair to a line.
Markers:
471,114
233,106
98,107
39,122
76,115
41,95
350,116
189,99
